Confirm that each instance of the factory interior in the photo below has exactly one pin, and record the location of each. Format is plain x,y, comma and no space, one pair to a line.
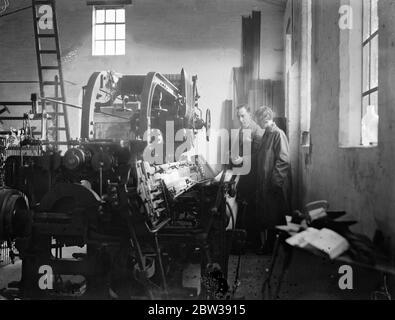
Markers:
122,171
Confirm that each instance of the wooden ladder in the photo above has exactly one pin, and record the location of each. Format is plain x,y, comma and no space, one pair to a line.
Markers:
56,128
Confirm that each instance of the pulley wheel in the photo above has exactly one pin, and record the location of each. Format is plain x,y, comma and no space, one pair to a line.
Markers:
15,216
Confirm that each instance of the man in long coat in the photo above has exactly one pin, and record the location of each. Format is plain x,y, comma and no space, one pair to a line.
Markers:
273,195
247,183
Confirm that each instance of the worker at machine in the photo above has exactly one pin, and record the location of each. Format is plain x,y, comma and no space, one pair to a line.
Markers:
273,179
247,183
141,221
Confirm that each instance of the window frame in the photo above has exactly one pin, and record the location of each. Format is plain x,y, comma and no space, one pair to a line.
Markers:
372,35
105,23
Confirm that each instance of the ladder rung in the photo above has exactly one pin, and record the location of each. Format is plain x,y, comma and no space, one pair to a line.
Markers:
15,103
36,2
48,52
46,35
50,83
50,67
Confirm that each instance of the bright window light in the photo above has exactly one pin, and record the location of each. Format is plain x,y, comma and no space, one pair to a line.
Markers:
108,31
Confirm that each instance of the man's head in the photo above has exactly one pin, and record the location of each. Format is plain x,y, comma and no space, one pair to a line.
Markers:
264,116
244,115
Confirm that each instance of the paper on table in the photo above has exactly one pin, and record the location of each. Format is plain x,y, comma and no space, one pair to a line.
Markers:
329,242
299,239
325,240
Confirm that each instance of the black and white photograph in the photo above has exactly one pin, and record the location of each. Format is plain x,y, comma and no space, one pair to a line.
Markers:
195,156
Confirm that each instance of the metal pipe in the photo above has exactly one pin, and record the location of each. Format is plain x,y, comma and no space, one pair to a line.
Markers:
15,11
32,81
160,262
19,81
13,118
61,102
15,103
101,181
113,115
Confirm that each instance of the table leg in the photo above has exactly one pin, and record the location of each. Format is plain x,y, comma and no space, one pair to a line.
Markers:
266,284
287,262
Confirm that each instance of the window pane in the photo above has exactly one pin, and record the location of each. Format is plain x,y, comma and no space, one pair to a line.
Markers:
374,65
374,100
100,15
110,47
375,17
370,122
120,47
110,31
365,103
365,69
99,34
366,19
99,48
110,15
120,14
120,34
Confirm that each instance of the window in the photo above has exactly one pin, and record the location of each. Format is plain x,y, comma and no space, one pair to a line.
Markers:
305,98
358,98
370,57
299,13
108,31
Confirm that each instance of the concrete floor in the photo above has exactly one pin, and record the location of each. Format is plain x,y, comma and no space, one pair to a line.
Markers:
309,277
